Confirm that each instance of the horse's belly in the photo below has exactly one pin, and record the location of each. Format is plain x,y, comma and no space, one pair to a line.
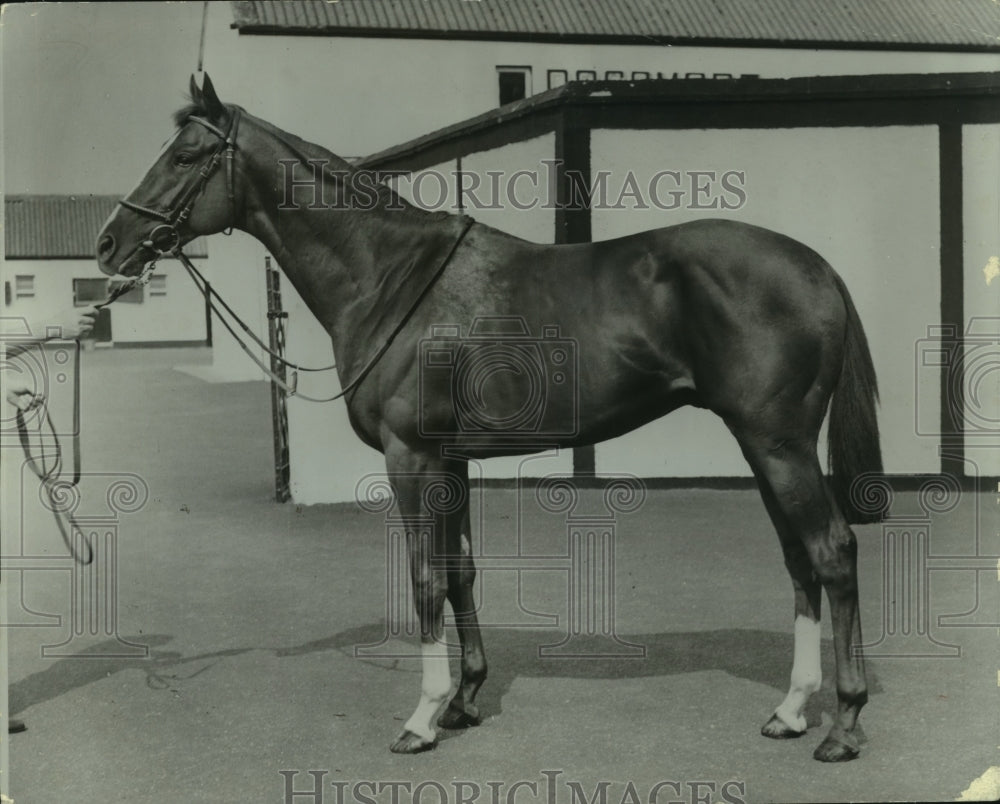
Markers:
627,412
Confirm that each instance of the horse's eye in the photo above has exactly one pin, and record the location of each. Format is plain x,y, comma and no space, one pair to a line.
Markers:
183,159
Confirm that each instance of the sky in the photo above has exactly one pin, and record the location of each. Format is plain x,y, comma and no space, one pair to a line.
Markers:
88,90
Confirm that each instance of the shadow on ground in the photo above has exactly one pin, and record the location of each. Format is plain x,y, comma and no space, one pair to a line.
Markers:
762,657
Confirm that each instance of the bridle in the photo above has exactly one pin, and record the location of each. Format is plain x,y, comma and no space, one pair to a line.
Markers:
172,218
171,247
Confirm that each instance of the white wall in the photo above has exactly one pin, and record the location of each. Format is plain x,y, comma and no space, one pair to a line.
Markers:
864,198
536,224
981,206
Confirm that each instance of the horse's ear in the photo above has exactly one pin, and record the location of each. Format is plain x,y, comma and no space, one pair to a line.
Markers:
194,91
215,108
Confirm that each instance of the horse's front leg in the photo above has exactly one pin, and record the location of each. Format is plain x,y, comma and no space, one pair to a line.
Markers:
414,477
462,710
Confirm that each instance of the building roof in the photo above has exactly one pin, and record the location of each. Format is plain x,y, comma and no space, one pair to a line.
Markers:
964,25
61,226
921,99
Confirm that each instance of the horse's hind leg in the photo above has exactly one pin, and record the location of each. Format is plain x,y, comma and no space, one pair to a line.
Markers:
794,488
788,719
462,711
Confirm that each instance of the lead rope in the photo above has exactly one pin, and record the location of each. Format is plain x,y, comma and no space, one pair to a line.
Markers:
58,491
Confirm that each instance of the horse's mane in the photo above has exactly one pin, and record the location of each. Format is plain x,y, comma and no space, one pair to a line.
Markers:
386,195
189,110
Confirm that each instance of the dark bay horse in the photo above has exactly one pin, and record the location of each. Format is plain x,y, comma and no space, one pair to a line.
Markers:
745,322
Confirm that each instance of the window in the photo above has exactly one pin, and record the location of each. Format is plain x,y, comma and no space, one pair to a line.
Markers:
24,286
557,78
158,285
89,291
614,75
515,83
586,75
134,296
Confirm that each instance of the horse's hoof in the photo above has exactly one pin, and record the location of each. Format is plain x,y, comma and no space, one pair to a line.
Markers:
455,717
777,729
410,743
839,746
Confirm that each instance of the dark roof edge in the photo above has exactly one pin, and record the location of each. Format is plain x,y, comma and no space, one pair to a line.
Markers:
688,91
82,196
196,253
260,29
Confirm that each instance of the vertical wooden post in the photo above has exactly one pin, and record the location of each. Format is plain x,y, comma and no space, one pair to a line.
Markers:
573,224
279,412
952,297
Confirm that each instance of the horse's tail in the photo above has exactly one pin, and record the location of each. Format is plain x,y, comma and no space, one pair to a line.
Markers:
853,445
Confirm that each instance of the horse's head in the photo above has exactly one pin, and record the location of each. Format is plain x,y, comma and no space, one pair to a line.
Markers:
189,191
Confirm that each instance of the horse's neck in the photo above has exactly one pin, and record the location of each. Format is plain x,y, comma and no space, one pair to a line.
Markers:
322,251
339,257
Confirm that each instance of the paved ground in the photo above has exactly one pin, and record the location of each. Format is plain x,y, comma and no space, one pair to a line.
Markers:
251,612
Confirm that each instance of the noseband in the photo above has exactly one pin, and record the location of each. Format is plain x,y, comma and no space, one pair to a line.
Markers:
175,217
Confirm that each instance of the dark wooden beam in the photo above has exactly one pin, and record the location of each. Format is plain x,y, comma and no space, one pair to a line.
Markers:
952,297
572,217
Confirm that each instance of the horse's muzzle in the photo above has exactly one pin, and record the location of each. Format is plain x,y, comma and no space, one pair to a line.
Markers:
112,264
